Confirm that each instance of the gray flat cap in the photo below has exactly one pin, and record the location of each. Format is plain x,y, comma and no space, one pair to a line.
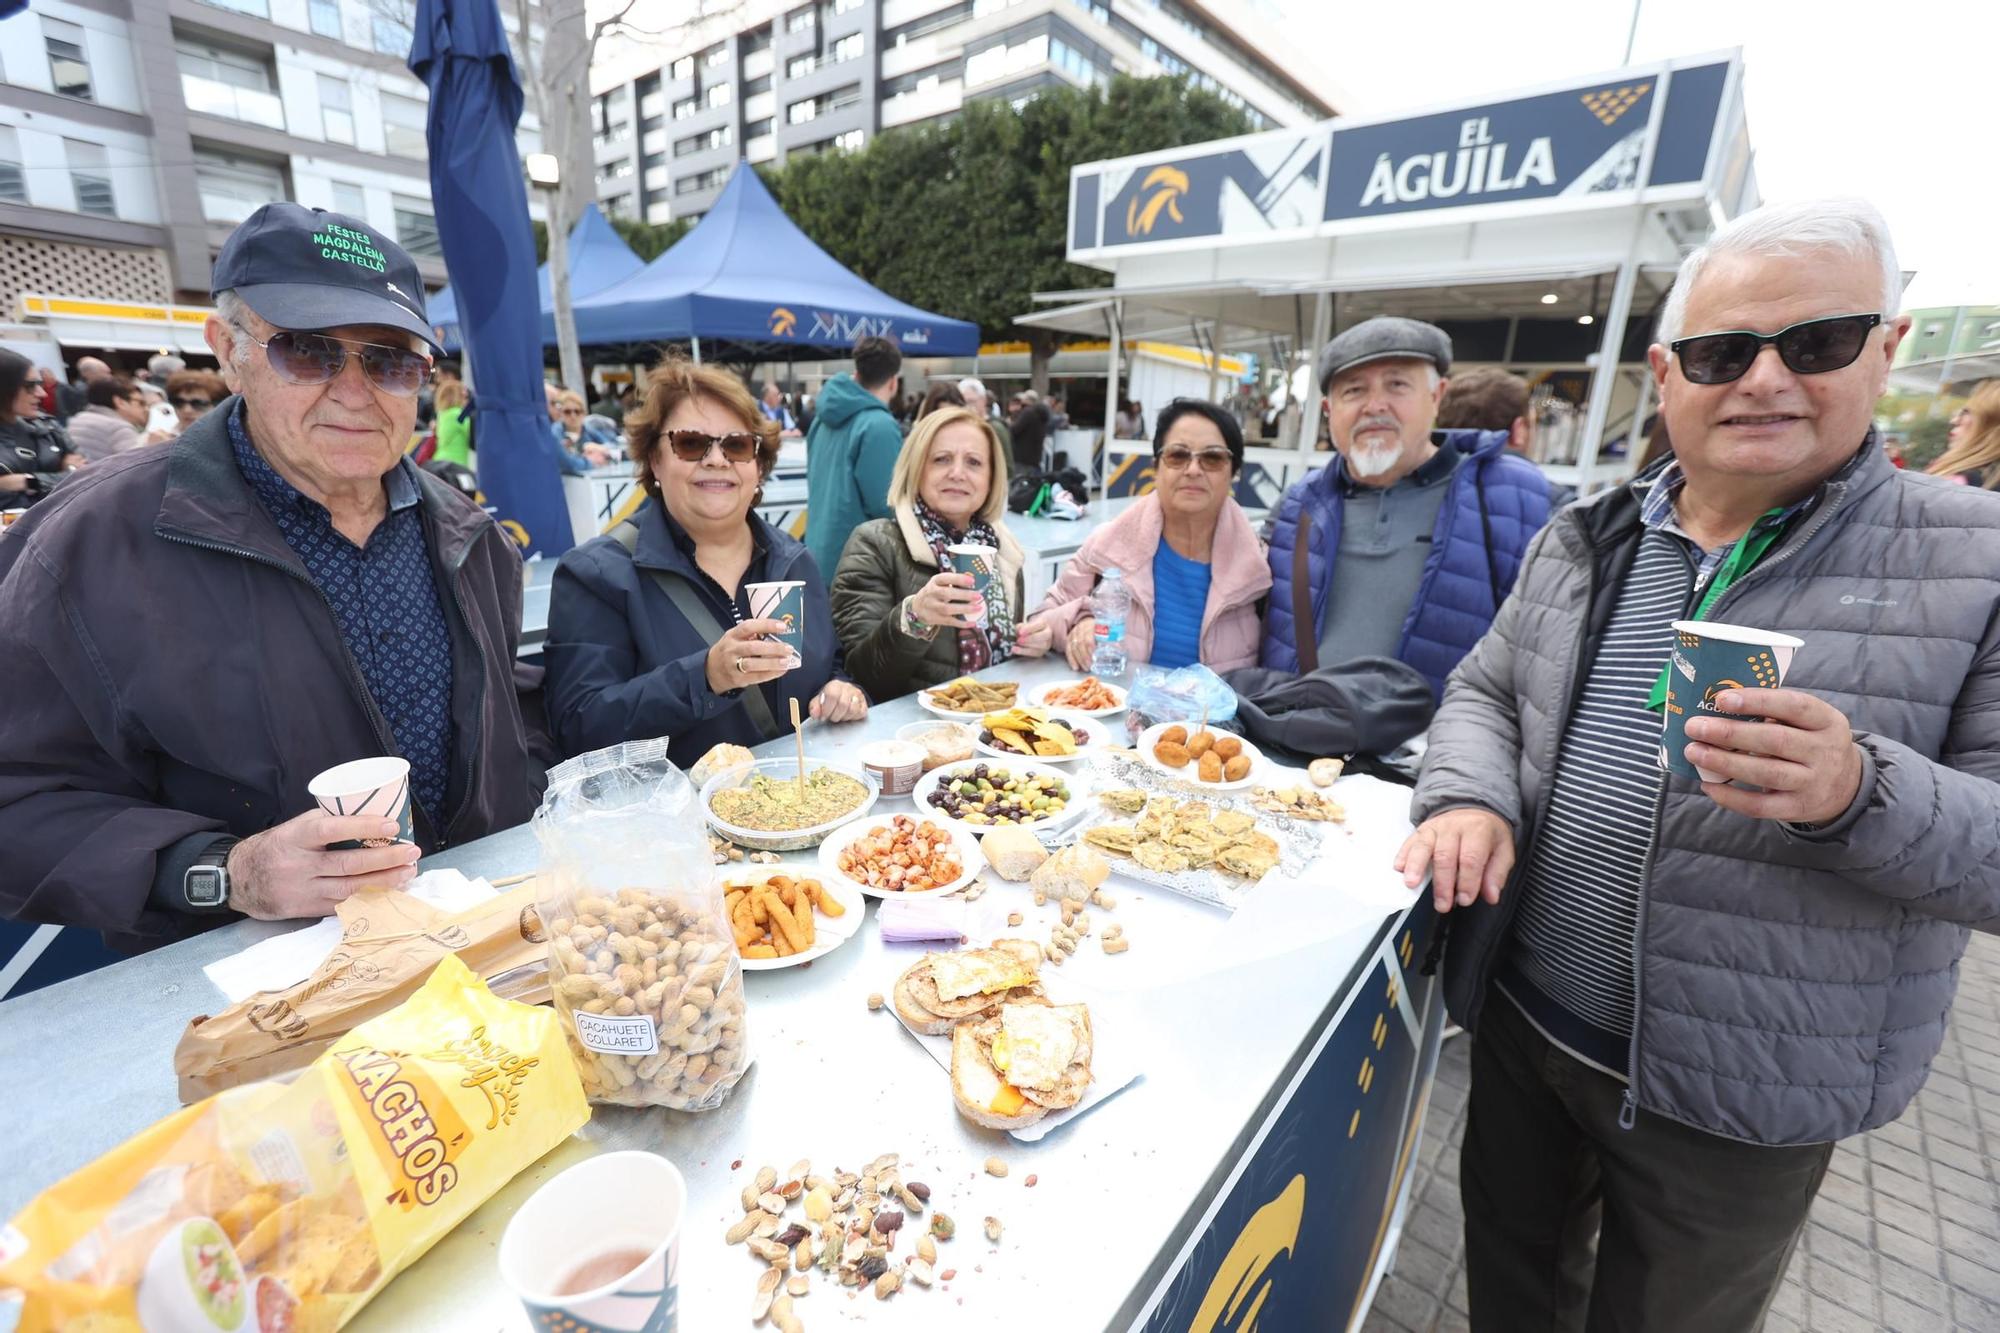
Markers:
1383,337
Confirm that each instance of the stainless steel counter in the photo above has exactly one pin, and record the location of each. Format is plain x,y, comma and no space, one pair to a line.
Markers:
1219,1012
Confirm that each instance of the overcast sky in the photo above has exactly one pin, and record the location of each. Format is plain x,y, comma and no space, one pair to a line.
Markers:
1897,102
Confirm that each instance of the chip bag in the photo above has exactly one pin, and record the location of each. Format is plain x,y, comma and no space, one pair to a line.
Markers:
279,1207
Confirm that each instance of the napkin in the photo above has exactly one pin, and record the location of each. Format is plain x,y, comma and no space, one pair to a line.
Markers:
927,919
286,960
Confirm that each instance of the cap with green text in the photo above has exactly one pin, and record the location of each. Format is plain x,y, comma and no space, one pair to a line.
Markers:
309,270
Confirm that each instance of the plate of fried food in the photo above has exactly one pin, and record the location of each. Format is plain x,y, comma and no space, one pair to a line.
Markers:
1036,733
781,919
956,698
1173,837
1089,697
901,857
1206,756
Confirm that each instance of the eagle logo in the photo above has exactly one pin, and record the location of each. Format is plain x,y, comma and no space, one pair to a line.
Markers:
1171,183
783,322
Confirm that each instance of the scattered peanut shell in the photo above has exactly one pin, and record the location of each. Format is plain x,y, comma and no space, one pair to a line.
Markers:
1118,944
782,1316
993,1229
767,1176
927,1249
995,1167
920,1272
799,1285
887,1283
767,1287
875,999
1013,918
740,1231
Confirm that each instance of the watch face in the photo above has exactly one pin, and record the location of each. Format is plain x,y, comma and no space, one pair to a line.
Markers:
205,886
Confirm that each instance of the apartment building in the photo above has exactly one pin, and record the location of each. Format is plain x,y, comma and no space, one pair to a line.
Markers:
769,79
134,134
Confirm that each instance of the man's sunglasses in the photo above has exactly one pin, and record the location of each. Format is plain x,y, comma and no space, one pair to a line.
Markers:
315,358
691,446
198,404
1811,347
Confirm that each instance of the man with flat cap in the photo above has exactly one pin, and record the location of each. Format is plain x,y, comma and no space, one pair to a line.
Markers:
204,628
1405,544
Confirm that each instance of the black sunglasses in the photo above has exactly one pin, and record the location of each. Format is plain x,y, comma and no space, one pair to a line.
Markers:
315,358
201,403
1810,347
691,446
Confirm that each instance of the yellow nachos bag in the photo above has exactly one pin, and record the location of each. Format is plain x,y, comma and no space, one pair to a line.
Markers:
274,1208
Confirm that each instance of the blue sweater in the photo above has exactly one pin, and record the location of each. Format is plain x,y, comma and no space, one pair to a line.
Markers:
1496,503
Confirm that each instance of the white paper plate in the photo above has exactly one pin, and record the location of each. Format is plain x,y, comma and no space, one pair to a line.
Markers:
1151,735
1111,1064
1098,732
829,932
971,718
961,839
1038,698
1079,791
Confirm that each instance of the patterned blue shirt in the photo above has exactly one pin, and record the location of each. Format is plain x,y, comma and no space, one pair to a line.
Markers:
385,600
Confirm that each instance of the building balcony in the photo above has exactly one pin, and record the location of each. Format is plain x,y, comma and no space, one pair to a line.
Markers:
214,98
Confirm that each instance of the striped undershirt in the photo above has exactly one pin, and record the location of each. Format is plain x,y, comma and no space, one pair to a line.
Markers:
1570,964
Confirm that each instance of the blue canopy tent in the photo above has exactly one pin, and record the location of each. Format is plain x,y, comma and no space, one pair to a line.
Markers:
460,53
598,258
746,282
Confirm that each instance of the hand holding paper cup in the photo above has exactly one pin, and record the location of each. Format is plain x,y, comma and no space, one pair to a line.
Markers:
784,602
379,786
982,562
599,1246
1708,658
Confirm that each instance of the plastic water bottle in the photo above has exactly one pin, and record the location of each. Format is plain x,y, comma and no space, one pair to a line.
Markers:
1107,608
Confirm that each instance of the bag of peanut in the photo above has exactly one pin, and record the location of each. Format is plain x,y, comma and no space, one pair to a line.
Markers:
642,962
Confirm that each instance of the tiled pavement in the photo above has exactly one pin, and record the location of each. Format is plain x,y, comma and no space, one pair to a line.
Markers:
1905,1234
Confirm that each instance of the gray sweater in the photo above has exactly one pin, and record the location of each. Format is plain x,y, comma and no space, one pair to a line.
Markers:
1792,987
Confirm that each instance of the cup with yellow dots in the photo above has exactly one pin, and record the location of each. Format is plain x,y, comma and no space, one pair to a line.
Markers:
1708,658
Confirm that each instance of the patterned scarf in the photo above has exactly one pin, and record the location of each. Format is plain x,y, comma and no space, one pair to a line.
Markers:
976,648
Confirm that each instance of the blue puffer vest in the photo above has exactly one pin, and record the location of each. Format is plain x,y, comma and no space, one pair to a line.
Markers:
1495,503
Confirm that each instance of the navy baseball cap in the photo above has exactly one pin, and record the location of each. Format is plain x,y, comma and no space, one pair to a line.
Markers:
310,270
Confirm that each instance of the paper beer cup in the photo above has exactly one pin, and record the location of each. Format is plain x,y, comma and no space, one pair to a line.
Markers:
781,601
379,787
982,562
617,1203
1708,658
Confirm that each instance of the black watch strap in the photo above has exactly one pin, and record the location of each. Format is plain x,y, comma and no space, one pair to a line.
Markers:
205,883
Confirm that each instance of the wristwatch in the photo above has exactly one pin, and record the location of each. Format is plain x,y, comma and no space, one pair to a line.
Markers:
205,884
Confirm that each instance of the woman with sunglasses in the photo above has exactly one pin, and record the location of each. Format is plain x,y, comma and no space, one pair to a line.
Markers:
907,620
1195,568
584,438
34,451
191,393
1972,451
650,632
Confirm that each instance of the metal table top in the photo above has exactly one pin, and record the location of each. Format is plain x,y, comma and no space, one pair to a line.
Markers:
1217,1011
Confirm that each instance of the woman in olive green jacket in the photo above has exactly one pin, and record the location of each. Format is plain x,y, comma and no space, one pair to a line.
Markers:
905,619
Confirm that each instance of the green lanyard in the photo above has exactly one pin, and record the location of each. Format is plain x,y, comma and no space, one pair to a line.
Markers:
1739,561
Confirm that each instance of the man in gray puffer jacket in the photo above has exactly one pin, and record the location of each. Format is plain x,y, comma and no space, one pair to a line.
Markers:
1684,992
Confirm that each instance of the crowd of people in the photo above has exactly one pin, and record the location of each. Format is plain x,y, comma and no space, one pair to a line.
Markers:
1682,992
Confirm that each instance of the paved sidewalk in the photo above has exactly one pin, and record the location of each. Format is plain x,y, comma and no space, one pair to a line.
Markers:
1905,1234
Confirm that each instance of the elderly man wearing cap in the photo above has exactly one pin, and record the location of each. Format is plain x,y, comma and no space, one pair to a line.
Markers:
1405,545
207,626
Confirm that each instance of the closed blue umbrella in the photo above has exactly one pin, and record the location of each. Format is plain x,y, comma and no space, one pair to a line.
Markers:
481,200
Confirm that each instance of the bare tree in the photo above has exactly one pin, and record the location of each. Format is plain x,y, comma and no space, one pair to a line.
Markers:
556,72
